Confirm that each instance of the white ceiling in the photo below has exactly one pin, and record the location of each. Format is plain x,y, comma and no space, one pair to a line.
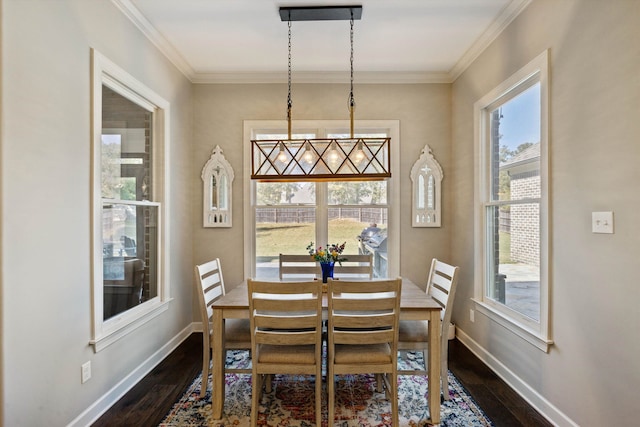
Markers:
395,41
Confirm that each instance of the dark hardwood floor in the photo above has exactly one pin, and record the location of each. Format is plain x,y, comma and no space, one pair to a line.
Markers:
150,400
503,406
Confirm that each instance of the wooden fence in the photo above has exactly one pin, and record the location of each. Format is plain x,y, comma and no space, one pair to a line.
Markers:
306,215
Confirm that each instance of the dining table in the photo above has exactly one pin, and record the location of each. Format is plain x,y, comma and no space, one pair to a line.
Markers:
415,304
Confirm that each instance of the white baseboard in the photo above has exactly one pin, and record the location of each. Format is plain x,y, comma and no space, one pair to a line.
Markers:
542,405
196,327
100,406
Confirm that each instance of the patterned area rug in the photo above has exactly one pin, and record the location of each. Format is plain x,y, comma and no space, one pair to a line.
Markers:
291,402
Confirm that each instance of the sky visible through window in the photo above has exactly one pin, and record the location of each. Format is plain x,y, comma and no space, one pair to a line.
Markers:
520,121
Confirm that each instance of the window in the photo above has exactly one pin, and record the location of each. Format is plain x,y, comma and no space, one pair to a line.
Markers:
285,217
512,208
129,128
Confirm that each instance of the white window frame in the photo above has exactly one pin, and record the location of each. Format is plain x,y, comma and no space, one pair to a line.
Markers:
321,126
105,72
536,333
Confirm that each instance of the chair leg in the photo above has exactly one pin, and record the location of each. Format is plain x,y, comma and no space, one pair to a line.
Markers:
256,387
206,361
444,369
444,378
331,385
268,381
393,383
379,383
318,397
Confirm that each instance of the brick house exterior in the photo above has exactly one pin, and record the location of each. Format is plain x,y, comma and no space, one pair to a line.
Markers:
524,170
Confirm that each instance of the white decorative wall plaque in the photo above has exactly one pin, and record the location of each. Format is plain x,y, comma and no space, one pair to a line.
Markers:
426,176
217,176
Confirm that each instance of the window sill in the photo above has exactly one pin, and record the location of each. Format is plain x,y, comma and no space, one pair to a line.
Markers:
127,322
531,336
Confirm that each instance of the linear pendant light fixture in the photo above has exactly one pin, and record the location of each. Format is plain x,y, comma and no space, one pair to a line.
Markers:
326,159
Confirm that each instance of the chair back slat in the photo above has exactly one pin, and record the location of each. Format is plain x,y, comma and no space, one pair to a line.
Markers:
439,296
281,306
441,282
288,339
381,320
444,268
346,301
301,321
364,287
213,293
298,266
210,278
356,266
362,338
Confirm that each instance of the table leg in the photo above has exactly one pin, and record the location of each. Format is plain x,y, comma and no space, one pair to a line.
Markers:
434,367
217,386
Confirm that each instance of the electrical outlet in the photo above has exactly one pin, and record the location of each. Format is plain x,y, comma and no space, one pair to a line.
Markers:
86,372
472,316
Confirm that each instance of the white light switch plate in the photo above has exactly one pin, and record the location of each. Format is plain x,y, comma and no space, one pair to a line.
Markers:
86,372
602,222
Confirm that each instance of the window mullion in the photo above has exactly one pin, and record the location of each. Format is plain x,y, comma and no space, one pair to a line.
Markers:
322,214
513,202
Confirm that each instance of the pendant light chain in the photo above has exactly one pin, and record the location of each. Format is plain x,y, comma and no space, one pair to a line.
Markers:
352,101
289,102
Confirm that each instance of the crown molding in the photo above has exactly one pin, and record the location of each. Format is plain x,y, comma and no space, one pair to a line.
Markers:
328,77
507,15
143,24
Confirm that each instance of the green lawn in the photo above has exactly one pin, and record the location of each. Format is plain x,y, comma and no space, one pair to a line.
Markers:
292,238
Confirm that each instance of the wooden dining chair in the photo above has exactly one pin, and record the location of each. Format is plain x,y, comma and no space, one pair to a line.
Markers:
362,333
414,336
355,266
286,335
298,267
209,287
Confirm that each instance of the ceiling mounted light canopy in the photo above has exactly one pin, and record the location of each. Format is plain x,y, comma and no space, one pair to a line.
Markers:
341,159
320,13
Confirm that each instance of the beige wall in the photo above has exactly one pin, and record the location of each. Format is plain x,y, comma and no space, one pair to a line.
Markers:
592,373
46,288
424,114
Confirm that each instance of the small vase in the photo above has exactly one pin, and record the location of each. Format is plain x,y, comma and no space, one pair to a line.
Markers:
327,270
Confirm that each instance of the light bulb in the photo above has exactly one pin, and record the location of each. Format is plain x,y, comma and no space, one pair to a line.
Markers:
359,153
333,155
283,155
308,156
